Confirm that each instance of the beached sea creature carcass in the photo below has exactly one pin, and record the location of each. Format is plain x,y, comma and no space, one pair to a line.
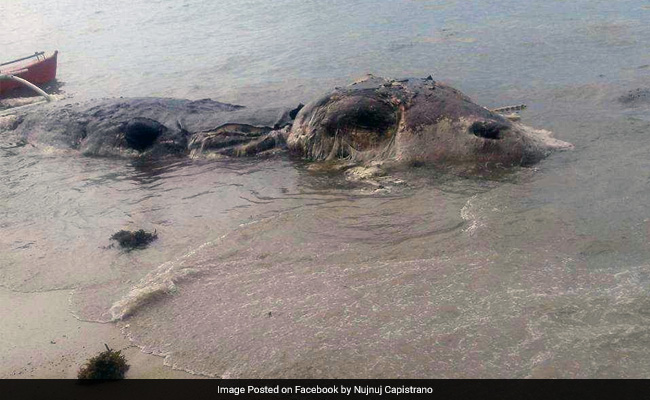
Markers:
373,119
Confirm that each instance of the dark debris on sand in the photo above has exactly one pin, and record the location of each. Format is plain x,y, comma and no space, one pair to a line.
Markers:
134,240
635,97
107,365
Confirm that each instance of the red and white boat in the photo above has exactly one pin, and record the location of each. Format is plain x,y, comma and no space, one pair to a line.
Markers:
38,68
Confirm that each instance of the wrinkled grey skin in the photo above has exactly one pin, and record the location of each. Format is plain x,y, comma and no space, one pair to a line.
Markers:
412,120
374,119
155,126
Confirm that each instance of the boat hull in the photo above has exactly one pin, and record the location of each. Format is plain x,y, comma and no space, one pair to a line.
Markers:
36,72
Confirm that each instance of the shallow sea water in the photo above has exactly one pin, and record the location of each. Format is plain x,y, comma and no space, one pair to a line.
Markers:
264,268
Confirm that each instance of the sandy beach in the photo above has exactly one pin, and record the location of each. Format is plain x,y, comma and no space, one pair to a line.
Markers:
42,339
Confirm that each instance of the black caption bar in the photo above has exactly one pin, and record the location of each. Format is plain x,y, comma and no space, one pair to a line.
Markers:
323,389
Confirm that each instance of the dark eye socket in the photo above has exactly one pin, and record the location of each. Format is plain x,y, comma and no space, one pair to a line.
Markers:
141,133
362,114
488,129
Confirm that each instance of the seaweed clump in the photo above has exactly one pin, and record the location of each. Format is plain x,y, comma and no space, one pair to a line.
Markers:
134,240
108,365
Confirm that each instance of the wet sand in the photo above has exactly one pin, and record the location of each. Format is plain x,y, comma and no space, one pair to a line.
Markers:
40,338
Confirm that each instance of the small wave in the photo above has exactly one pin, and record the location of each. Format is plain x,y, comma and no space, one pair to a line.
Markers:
468,214
159,282
163,279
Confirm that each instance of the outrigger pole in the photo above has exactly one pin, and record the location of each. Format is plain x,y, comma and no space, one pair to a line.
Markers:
37,55
26,83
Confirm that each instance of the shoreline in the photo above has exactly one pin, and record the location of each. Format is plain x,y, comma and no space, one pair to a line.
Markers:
40,339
